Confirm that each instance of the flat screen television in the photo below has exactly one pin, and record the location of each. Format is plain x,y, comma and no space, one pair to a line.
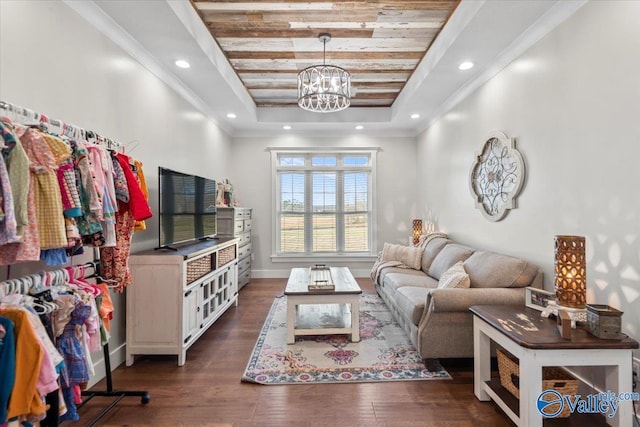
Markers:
187,207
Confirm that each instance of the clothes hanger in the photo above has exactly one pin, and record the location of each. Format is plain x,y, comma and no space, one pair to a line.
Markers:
4,289
29,301
9,287
78,280
33,120
36,282
56,127
109,283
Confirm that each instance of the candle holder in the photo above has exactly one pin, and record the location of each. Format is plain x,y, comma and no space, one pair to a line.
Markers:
571,274
417,231
604,321
570,280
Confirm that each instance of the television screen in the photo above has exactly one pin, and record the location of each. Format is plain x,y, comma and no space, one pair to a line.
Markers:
187,207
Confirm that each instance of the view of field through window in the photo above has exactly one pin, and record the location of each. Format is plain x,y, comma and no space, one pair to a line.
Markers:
328,197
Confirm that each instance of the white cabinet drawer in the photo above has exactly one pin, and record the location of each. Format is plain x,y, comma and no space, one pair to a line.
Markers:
245,239
244,278
244,252
244,264
243,213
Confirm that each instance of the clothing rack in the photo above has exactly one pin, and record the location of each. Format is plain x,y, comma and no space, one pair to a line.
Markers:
23,286
27,117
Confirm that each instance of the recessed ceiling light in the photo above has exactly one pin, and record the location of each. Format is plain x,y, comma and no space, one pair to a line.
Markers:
359,127
231,115
286,127
467,65
415,116
182,63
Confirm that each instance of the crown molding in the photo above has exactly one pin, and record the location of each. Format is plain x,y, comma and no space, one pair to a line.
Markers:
97,17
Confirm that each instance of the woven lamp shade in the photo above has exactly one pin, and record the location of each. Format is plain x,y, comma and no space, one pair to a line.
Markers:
417,230
571,271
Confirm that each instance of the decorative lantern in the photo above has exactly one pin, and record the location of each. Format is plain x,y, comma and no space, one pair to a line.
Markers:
571,274
417,231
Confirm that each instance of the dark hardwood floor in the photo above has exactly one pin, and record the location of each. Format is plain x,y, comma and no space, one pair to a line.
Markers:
207,390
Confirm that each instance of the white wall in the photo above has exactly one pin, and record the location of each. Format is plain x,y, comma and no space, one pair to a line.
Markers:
52,61
396,189
572,101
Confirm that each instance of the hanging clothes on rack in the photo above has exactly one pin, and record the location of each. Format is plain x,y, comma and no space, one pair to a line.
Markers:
86,194
114,260
17,163
89,223
62,186
68,304
28,249
8,364
140,224
103,174
72,315
8,224
61,152
48,200
25,401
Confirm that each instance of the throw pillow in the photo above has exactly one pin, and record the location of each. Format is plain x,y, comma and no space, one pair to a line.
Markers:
455,277
408,255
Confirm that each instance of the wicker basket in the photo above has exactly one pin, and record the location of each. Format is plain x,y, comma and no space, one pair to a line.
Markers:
553,378
226,255
198,268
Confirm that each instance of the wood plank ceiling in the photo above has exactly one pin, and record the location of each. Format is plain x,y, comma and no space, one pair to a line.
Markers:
380,42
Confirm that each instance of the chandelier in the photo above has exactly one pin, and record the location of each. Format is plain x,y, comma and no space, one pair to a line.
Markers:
324,88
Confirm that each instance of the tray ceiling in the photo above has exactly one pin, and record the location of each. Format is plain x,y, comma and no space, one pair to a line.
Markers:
403,55
379,42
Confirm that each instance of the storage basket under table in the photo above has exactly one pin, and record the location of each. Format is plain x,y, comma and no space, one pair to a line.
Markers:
226,255
553,378
198,268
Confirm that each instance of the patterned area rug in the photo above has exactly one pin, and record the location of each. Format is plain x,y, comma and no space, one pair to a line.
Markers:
384,352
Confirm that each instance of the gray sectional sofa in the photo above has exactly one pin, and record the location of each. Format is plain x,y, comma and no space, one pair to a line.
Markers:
438,321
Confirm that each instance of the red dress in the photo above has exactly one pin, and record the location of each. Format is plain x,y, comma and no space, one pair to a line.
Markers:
115,260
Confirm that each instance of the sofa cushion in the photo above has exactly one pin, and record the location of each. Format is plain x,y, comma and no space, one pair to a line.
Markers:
432,249
411,300
406,277
408,255
492,270
455,277
448,256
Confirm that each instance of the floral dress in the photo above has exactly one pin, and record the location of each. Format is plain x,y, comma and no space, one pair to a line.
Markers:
115,260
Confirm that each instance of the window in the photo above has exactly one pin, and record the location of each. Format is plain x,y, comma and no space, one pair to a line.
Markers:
323,202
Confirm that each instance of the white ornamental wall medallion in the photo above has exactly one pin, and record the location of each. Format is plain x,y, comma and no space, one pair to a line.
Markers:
497,175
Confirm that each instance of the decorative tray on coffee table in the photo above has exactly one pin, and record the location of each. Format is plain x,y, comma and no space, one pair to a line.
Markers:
320,278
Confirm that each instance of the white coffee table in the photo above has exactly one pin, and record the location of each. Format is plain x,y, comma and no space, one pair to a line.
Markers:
323,312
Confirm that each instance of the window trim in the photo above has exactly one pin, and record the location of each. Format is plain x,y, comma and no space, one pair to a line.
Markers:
372,152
